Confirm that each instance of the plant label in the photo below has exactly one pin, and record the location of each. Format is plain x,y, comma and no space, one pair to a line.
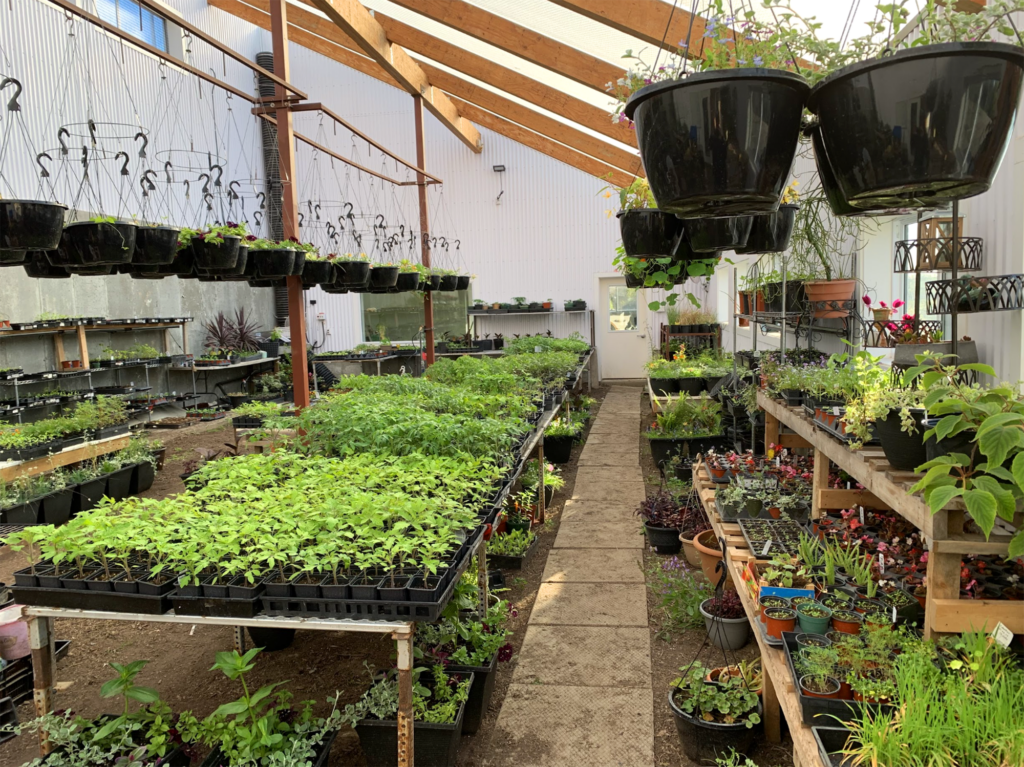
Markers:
881,562
835,411
893,614
1002,635
862,515
768,546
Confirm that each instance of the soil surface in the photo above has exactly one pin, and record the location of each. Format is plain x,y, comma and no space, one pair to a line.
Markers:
318,664
672,653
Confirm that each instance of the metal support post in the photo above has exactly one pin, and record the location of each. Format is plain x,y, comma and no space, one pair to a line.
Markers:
404,641
40,631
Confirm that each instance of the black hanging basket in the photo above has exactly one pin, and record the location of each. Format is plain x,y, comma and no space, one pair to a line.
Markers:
155,245
433,282
38,265
462,282
182,264
271,264
354,273
719,143
649,233
299,264
709,235
89,243
771,232
30,224
407,282
448,282
317,272
237,269
13,257
633,280
211,255
102,270
383,277
920,128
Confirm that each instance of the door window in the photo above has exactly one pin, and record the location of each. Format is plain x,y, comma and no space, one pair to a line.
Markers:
621,308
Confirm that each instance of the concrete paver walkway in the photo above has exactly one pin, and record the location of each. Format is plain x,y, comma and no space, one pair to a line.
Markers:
581,692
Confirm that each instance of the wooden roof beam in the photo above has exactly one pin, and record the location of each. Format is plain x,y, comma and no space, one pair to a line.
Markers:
357,22
342,55
518,40
644,19
544,145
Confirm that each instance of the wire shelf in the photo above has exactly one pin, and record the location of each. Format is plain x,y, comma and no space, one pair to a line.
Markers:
972,295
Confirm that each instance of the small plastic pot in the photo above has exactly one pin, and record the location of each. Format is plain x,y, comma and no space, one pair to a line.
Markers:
779,619
846,621
810,624
664,540
832,692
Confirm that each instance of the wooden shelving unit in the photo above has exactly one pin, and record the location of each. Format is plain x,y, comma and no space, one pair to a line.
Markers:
888,488
13,470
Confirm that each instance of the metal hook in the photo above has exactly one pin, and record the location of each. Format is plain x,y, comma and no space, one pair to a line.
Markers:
44,173
60,137
258,216
167,171
12,105
187,186
341,222
124,168
92,131
349,215
145,143
300,219
457,244
383,222
232,192
208,198
206,184
316,210
85,161
220,172
262,197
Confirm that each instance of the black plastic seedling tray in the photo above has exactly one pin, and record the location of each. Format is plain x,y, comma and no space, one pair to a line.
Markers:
84,599
512,563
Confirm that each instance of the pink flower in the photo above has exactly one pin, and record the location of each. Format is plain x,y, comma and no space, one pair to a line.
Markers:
897,303
883,304
866,300
892,326
908,317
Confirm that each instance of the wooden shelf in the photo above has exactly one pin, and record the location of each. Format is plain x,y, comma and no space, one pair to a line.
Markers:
10,471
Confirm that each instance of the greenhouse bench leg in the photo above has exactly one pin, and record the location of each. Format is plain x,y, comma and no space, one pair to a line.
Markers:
240,639
41,642
772,715
404,641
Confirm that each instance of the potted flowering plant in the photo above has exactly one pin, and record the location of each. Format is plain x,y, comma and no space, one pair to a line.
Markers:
662,519
646,231
883,311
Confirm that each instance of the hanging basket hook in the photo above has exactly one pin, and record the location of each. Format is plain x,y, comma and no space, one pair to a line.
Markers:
12,105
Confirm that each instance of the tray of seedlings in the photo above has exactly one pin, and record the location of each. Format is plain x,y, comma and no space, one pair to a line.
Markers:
768,537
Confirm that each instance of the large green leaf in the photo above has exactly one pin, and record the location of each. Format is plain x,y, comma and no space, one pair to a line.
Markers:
143,694
1018,470
982,506
933,473
1006,506
996,444
1000,420
944,427
980,367
1017,546
938,497
228,709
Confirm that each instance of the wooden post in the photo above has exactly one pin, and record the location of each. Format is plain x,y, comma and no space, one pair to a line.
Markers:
772,714
289,201
184,339
404,642
541,506
820,482
481,575
421,186
771,431
58,350
83,347
40,633
944,571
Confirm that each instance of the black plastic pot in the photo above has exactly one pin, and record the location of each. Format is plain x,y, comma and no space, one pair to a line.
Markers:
236,269
143,475
436,745
708,235
94,244
353,273
690,387
649,233
57,506
719,143
633,281
383,276
13,257
88,494
771,233
271,640
92,271
663,448
432,282
957,443
664,386
664,540
317,272
919,128
407,282
30,224
558,449
903,451
705,742
216,256
448,282
272,264
27,513
119,483
462,282
155,245
38,265
182,264
272,348
479,694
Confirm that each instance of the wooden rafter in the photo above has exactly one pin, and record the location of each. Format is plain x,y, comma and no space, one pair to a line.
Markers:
519,41
545,145
309,30
357,22
649,20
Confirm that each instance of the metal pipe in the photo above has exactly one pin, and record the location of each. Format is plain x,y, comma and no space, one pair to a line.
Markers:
955,262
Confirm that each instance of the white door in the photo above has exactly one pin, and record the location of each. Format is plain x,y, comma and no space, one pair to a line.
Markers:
622,342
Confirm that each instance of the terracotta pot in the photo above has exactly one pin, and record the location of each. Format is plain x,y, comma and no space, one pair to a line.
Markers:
710,555
690,551
779,619
775,512
834,695
845,691
829,290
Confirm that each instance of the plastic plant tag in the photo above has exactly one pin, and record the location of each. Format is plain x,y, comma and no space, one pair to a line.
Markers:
1002,635
768,547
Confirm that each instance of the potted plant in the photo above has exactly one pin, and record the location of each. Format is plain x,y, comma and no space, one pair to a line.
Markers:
817,669
274,260
694,522
29,225
99,242
713,719
663,377
685,426
559,437
726,621
710,170
317,269
155,245
662,519
771,232
646,231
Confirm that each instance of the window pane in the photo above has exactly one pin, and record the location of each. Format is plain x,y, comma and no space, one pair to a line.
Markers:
135,19
399,316
621,308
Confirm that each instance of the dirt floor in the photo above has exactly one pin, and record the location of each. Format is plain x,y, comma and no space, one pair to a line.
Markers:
316,665
670,655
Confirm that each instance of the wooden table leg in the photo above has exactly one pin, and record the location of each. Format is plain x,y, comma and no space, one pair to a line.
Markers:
481,575
541,510
822,467
771,431
41,641
404,641
772,714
